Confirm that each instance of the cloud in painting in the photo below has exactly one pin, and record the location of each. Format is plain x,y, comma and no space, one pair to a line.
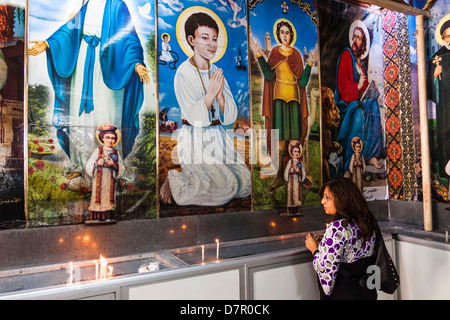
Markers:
163,11
163,25
175,5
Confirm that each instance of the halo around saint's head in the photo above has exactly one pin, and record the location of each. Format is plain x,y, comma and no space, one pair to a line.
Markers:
181,36
437,33
108,127
356,140
294,36
359,23
165,34
295,144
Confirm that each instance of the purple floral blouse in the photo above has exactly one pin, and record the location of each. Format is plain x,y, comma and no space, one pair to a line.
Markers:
339,244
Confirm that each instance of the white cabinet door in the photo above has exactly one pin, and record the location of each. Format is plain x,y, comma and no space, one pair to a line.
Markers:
289,282
215,286
424,272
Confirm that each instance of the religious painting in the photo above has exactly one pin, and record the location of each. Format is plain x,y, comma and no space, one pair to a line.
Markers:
437,47
352,94
285,104
204,118
12,35
92,64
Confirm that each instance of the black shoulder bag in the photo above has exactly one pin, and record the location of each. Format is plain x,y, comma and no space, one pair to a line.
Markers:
389,278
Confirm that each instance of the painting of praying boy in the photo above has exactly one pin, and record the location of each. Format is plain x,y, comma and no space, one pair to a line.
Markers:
212,171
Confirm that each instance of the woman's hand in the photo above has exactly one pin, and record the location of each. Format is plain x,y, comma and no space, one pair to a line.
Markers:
311,243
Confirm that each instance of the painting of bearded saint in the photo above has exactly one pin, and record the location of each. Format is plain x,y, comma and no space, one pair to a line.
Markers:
356,99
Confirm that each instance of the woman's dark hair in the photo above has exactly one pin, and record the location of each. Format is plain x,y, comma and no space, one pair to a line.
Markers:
285,24
196,20
351,205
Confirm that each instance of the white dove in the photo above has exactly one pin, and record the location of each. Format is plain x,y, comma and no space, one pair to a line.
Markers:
144,10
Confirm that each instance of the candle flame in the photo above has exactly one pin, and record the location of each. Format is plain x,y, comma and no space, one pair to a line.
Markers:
104,271
217,240
110,272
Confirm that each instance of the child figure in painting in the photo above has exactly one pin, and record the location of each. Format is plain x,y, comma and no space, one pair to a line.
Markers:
295,175
165,48
357,166
105,165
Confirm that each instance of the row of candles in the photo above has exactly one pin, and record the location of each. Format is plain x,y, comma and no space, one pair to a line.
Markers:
102,270
217,250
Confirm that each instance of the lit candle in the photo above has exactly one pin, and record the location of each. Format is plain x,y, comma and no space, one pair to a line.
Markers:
110,272
203,253
217,251
71,273
103,266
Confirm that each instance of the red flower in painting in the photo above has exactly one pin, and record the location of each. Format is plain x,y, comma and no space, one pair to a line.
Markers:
50,140
39,165
30,170
40,149
391,73
394,151
36,141
63,186
390,46
389,21
392,98
52,147
395,177
393,124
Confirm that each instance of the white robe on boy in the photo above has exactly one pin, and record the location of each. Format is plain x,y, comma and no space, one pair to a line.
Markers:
212,172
